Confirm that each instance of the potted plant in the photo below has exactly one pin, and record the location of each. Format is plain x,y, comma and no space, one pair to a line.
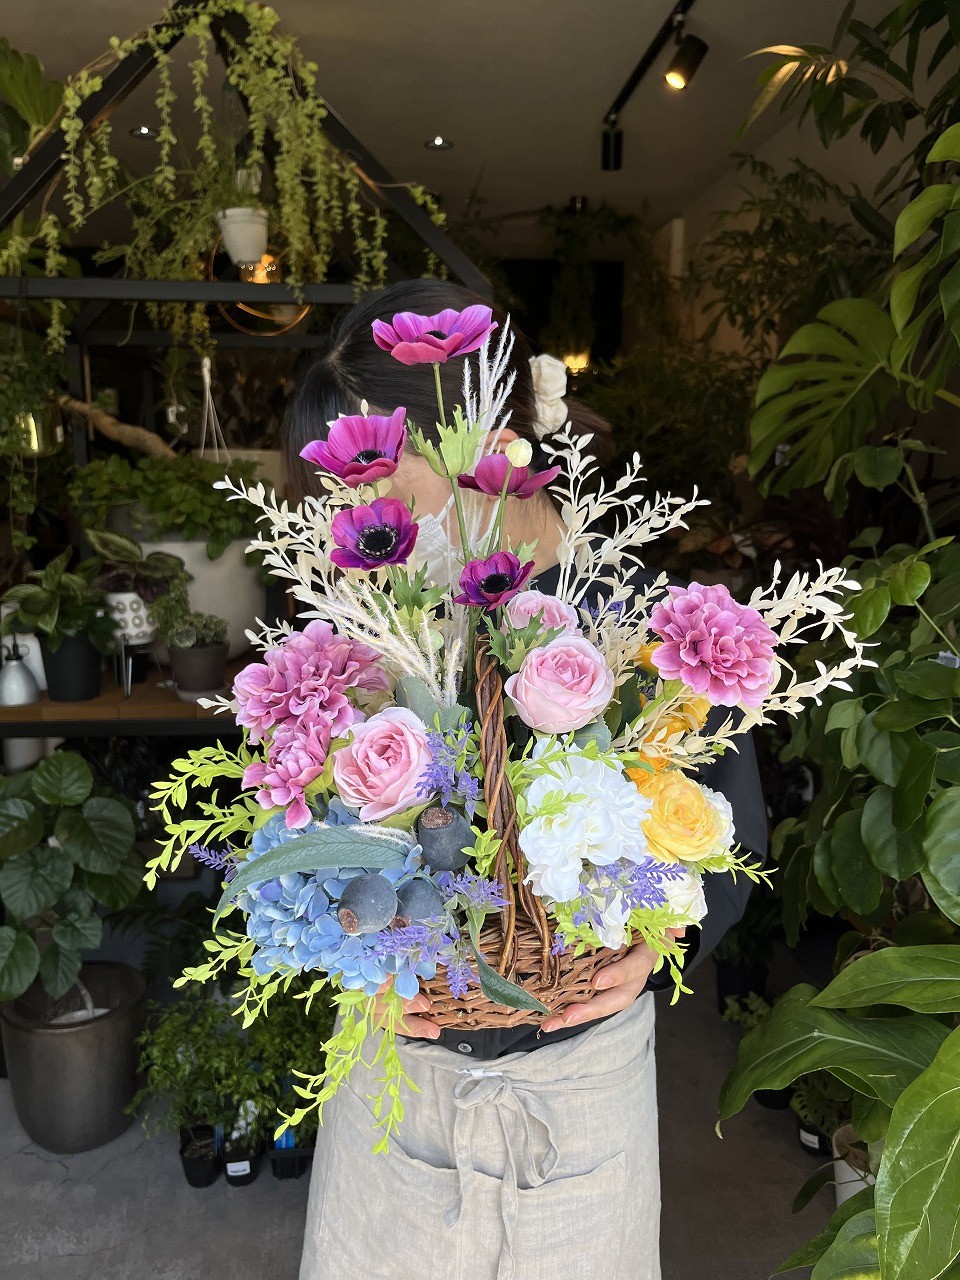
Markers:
69,613
188,1055
66,849
133,581
821,1104
242,220
172,507
197,643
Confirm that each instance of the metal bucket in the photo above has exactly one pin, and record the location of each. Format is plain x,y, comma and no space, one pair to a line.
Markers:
72,1081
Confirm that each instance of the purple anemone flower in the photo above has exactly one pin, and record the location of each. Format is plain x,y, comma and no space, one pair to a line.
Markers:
490,475
414,339
487,583
360,450
367,537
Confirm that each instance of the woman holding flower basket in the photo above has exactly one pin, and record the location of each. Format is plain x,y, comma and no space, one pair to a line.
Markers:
497,791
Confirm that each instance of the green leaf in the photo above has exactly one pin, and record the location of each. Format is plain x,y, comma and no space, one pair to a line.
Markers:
883,754
99,836
941,850
858,880
21,827
77,933
31,882
913,785
118,889
946,147
325,850
814,1249
19,962
918,1183
869,610
909,581
924,979
877,466
896,853
947,743
927,679
596,731
59,969
907,713
62,779
493,985
853,1254
414,694
876,1056
915,220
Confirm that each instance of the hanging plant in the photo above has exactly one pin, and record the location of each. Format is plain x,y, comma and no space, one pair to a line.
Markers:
317,195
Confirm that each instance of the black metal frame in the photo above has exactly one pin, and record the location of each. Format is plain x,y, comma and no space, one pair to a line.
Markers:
653,51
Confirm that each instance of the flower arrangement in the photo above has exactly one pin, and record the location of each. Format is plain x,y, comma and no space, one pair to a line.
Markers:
446,773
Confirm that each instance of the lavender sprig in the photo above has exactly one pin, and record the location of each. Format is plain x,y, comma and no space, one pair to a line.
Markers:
448,774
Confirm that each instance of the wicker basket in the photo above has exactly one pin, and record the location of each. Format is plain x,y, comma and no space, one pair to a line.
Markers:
519,944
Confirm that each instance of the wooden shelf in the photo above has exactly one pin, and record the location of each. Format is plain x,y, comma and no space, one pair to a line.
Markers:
152,710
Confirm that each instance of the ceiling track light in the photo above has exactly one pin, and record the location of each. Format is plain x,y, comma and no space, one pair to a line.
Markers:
690,53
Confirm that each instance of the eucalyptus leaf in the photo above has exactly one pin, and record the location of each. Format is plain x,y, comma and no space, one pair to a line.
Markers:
918,1183
596,731
19,962
494,986
325,850
413,694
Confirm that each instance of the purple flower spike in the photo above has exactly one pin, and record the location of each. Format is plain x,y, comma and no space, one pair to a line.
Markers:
360,450
487,583
490,475
368,537
414,339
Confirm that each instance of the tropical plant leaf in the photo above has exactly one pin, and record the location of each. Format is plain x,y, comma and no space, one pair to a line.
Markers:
918,1183
896,853
77,932
21,827
814,1249
19,962
853,1253
33,881
59,969
99,836
876,1056
925,979
62,779
941,850
326,850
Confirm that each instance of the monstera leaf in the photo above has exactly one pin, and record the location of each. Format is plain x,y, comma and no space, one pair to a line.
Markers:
822,399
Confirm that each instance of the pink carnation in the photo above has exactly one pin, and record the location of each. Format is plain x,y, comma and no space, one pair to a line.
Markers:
297,756
378,771
716,646
310,671
561,686
553,612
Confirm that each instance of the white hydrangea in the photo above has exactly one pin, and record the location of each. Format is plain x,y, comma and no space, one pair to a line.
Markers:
601,823
720,802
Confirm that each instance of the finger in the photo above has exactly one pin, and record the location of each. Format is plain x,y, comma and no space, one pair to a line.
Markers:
634,967
418,1004
418,1028
601,1006
677,933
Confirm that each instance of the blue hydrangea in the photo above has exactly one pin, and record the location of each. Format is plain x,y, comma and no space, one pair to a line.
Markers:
292,918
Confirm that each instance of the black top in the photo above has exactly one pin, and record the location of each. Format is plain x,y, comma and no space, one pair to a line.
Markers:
736,775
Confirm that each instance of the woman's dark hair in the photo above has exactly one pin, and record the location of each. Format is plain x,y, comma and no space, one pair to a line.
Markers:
354,368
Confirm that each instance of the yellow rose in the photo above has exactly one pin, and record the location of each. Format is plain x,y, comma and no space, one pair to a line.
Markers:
663,733
644,656
682,825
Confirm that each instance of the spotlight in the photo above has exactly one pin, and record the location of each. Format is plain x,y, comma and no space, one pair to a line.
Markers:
611,150
143,131
438,143
691,51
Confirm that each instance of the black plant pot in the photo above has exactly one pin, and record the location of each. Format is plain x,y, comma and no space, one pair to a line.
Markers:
737,982
290,1162
774,1099
241,1164
813,1141
199,673
73,671
202,1162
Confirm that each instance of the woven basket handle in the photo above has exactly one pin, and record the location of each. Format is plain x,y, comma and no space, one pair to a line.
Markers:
502,815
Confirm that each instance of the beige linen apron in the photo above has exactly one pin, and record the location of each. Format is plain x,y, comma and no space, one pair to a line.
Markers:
526,1167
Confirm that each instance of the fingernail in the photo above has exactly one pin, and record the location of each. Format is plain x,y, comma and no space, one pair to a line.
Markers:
601,982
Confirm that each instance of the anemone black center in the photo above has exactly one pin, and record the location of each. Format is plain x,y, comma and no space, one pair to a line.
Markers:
378,541
495,582
435,333
368,455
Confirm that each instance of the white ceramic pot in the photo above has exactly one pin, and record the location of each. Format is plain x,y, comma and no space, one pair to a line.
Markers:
244,233
228,588
848,1179
134,621
269,464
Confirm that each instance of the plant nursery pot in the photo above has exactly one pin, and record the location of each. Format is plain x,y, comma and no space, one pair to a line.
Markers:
73,672
134,622
290,1162
244,233
200,1155
814,1142
73,1077
199,673
774,1099
241,1165
737,982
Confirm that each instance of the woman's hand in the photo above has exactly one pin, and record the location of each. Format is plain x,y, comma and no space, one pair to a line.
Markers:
620,984
417,1028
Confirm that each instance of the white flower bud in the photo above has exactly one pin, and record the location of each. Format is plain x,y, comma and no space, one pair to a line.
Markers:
520,452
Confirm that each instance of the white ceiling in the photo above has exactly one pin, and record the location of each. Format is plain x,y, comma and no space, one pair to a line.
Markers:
520,86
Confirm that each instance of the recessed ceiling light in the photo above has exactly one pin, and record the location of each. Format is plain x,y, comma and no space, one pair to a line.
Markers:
438,143
143,131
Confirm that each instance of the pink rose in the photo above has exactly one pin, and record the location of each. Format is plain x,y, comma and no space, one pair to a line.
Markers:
561,686
296,758
378,770
523,608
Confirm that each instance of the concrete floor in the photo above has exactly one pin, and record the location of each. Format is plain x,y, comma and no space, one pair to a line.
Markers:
124,1212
